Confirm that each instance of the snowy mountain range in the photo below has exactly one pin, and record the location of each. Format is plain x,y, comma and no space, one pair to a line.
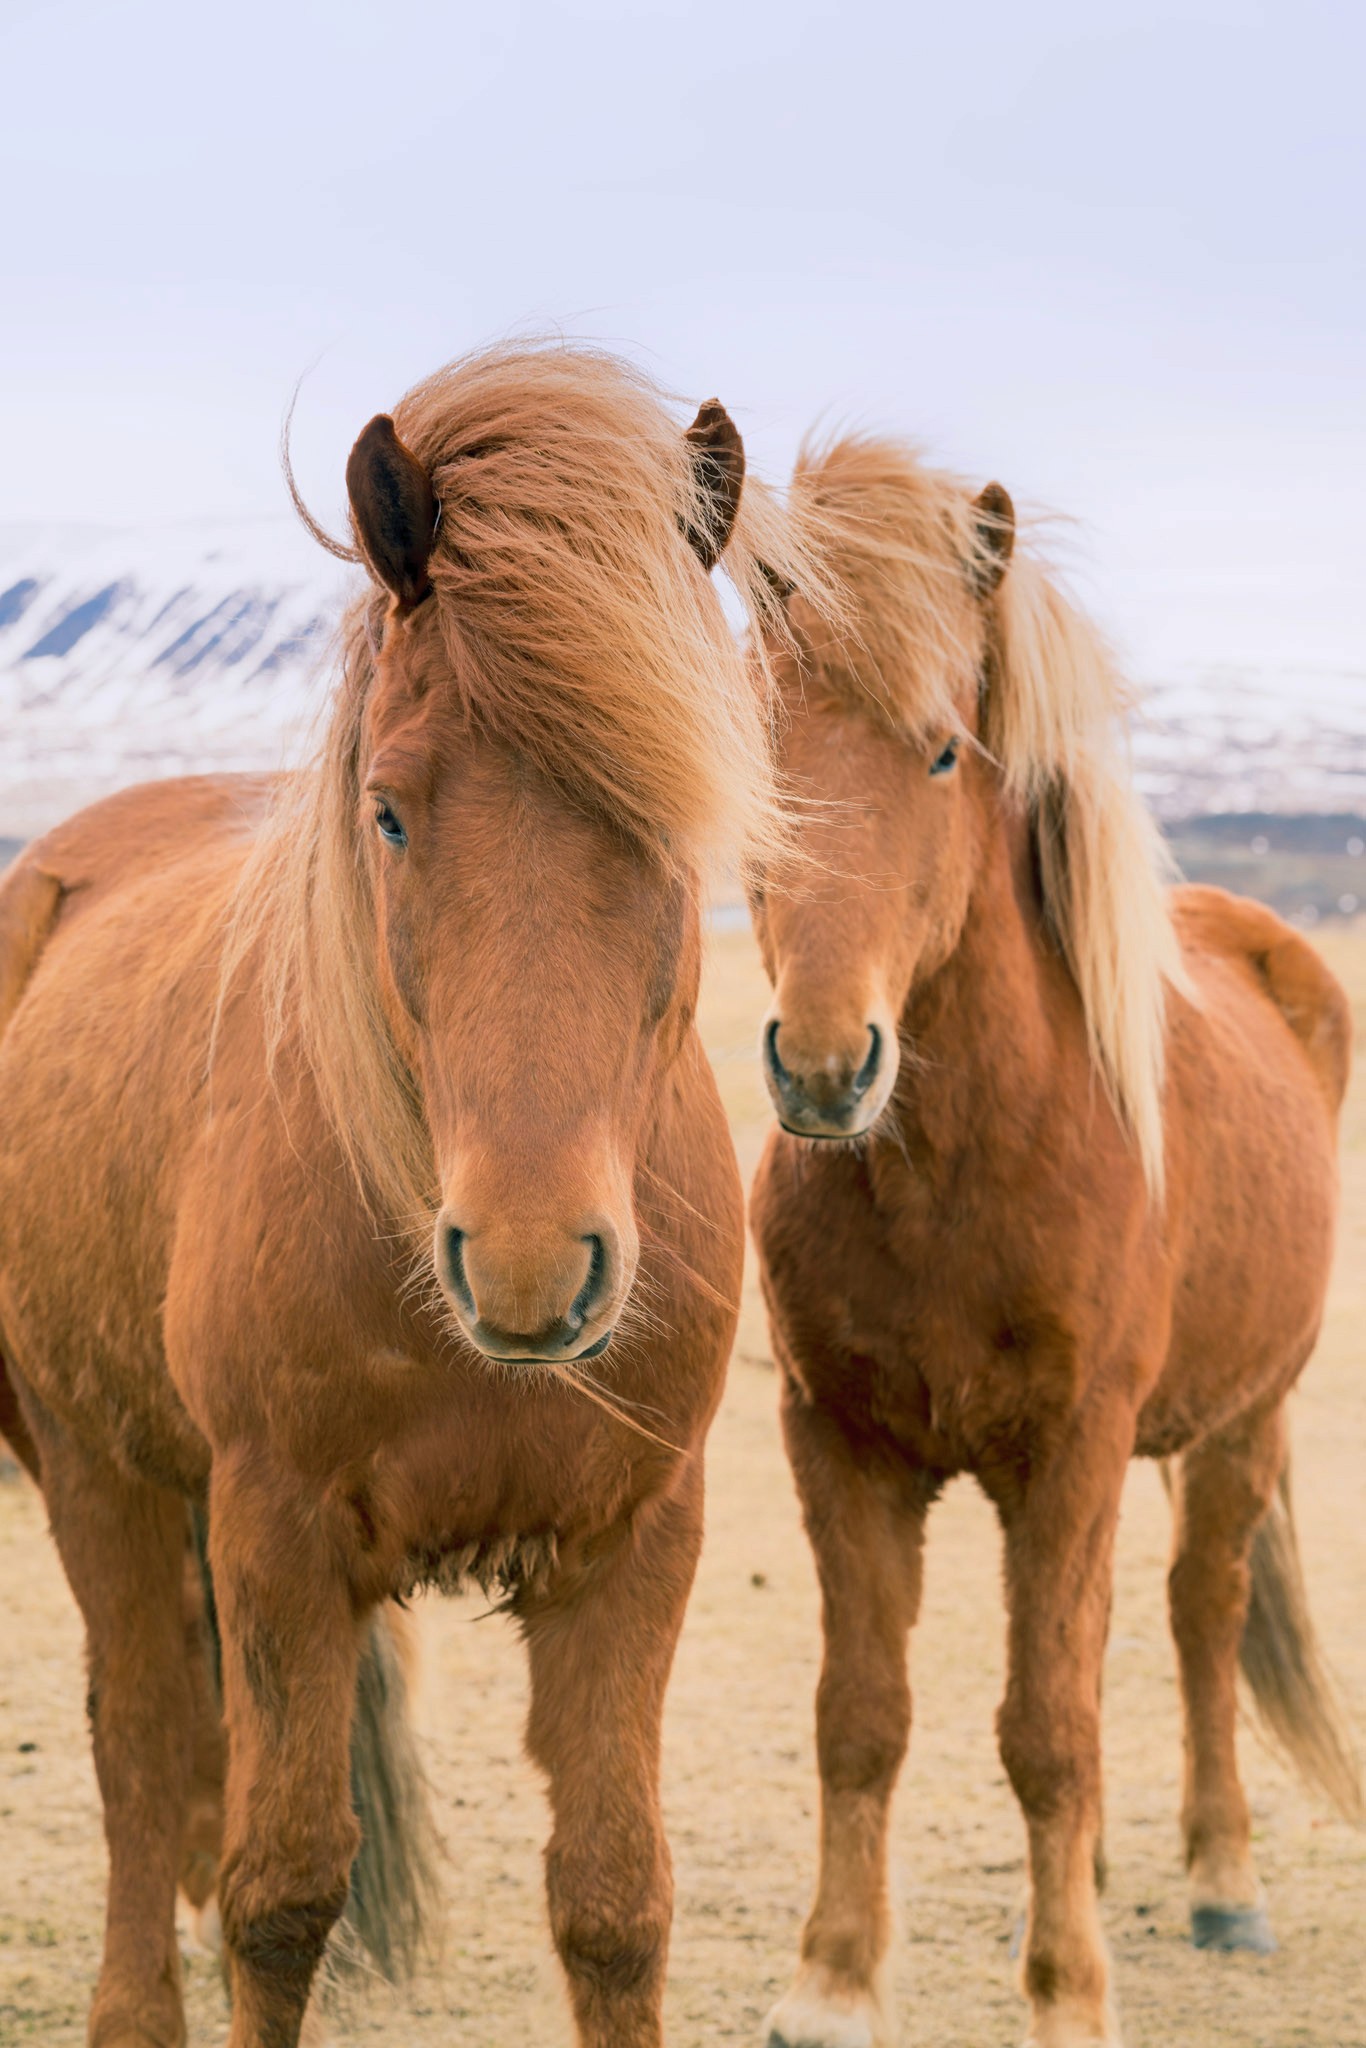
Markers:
155,651
161,650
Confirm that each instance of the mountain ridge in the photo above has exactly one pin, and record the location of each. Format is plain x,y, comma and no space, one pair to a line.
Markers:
161,650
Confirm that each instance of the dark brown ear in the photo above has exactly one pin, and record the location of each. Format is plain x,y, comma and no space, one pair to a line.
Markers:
394,507
995,524
719,456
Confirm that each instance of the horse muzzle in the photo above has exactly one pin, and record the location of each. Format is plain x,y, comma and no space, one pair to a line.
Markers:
834,1093
527,1298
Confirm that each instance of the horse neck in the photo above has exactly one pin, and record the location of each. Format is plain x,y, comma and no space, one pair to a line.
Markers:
985,1032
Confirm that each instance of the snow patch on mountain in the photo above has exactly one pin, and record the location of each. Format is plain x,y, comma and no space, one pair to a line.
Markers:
1279,737
157,651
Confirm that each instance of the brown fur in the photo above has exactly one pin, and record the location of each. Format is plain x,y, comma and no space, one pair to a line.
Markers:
263,1077
1092,1217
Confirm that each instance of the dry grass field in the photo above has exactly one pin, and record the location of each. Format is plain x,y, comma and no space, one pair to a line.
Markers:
739,1769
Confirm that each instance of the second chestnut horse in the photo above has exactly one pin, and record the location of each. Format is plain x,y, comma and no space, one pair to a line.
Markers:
1055,1186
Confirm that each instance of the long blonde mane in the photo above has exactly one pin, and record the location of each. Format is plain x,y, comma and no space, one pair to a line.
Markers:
903,543
582,630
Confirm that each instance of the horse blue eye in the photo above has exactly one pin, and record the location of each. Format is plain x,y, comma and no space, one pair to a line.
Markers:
389,826
943,762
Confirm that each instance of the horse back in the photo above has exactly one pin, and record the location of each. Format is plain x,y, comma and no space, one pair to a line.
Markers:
1282,967
139,830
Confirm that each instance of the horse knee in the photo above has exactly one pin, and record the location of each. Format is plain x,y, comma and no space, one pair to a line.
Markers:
612,1956
615,1959
611,1938
861,1731
279,1939
1052,1762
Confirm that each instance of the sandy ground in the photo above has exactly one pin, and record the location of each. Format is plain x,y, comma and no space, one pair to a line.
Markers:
739,1770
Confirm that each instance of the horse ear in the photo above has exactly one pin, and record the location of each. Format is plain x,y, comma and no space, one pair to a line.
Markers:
718,456
994,524
395,510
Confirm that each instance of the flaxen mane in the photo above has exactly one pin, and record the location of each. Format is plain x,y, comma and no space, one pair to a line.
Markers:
580,627
903,541
564,585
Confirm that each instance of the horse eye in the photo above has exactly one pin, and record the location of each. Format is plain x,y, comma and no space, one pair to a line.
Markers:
942,763
389,825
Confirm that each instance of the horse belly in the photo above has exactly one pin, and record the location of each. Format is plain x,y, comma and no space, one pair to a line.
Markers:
1254,1250
1245,1321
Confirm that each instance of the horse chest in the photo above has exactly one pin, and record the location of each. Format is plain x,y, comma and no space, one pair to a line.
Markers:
955,1344
500,1567
949,1391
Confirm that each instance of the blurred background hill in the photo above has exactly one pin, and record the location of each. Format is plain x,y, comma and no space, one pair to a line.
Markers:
167,649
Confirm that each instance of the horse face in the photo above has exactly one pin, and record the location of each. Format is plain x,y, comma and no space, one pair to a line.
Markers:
893,820
890,832
541,972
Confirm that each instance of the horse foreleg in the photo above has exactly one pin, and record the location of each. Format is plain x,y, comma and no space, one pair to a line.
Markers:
867,1531
601,1643
123,1546
1222,1489
1059,1560
290,1651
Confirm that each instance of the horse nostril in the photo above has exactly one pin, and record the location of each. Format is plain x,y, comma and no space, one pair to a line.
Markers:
771,1054
582,1306
455,1271
866,1074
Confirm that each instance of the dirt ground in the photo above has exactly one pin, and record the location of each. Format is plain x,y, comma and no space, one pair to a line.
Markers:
739,1768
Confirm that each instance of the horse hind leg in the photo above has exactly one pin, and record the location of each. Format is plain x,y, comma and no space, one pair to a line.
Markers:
122,1543
1221,1490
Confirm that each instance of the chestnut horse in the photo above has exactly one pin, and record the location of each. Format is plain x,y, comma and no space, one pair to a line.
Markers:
1054,1187
346,1124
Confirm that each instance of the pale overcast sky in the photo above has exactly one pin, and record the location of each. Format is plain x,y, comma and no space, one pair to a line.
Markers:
1112,254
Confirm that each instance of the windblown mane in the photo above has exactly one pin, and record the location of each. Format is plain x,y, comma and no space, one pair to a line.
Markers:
582,630
901,540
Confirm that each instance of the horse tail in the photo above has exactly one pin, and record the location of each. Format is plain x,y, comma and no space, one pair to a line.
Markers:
1295,1698
390,1910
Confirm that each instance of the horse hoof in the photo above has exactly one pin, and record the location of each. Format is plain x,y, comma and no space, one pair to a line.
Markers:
803,2038
800,2021
1233,1927
1057,2032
